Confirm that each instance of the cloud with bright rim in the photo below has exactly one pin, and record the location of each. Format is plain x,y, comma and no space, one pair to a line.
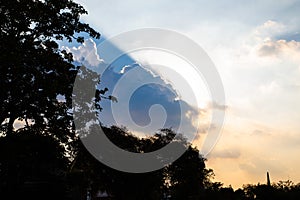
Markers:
152,106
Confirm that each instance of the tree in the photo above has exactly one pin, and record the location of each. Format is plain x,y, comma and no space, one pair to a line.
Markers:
31,165
186,178
36,83
34,71
99,177
187,175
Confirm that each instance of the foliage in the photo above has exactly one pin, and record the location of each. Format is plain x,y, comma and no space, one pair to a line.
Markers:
187,172
280,190
30,165
34,71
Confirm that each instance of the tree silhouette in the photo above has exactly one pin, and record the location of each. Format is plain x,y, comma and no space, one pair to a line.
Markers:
185,178
34,71
36,83
31,165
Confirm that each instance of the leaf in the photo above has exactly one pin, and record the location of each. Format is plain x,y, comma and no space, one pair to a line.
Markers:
113,99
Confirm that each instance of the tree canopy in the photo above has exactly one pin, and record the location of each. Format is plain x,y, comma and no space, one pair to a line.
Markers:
184,178
34,71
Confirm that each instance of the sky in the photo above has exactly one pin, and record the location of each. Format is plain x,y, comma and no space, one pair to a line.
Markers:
255,46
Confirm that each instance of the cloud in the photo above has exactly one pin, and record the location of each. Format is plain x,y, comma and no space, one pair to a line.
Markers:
277,40
85,53
151,107
260,133
225,153
269,29
262,165
125,69
215,105
280,48
150,104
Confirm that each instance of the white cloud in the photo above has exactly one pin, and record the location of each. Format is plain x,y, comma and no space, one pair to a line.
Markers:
124,69
280,48
177,72
270,29
86,53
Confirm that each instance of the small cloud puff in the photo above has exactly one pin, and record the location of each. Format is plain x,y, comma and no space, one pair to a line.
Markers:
279,47
217,106
275,39
270,29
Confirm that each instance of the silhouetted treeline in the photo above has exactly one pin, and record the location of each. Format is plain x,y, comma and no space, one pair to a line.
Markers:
277,191
36,166
33,165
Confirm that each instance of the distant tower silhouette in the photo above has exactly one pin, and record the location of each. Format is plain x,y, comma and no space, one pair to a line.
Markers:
268,179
